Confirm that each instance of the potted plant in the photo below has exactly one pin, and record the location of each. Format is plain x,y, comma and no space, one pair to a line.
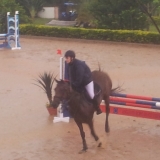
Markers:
45,81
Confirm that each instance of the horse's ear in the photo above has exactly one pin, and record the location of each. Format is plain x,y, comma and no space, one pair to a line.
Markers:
61,80
56,80
67,81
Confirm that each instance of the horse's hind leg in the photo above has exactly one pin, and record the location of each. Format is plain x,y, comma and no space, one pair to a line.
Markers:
83,137
93,133
106,99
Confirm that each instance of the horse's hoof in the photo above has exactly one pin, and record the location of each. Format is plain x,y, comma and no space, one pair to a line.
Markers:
99,144
82,151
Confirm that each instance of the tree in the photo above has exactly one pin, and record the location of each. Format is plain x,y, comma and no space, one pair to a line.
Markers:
144,9
153,7
10,6
118,14
83,11
32,7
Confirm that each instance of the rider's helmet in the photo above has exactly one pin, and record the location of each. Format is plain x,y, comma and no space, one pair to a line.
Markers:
70,53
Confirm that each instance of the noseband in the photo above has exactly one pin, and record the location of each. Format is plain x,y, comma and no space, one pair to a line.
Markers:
60,98
57,97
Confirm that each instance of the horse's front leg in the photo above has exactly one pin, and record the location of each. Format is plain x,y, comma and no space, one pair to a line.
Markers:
79,124
90,123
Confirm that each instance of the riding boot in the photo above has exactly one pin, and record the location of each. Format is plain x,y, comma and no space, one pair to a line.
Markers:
96,105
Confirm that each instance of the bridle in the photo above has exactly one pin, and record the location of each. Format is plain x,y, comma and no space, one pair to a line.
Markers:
61,99
58,97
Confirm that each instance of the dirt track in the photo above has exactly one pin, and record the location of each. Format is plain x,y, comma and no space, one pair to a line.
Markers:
27,131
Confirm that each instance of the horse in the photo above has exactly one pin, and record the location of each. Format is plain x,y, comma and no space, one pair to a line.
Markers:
81,109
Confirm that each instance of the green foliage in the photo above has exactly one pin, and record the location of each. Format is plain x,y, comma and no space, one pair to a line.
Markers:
153,29
10,6
32,7
55,2
93,34
154,7
45,82
118,14
132,19
84,14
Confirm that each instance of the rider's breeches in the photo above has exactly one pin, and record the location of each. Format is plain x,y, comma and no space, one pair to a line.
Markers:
90,89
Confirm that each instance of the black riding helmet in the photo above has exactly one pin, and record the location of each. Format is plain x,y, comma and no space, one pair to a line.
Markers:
70,53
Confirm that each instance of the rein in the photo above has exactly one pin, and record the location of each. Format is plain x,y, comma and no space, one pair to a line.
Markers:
70,99
60,98
57,97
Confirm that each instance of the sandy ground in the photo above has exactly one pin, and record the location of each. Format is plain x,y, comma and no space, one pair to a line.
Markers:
27,132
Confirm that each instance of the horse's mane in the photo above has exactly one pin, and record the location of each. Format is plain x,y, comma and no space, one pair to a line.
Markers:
73,94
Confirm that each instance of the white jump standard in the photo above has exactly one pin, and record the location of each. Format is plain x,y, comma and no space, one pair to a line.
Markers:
12,32
61,118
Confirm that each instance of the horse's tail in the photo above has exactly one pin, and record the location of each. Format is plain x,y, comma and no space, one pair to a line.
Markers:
117,89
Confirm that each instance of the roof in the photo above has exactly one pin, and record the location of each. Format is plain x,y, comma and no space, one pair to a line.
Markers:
70,4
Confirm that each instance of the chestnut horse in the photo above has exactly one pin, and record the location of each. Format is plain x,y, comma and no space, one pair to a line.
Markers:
80,107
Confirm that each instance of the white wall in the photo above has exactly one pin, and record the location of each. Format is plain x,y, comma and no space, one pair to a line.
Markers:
48,12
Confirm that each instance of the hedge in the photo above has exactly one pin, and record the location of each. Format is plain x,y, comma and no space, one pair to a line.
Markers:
91,34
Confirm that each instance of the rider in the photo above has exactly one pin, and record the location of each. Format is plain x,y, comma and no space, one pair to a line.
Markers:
80,77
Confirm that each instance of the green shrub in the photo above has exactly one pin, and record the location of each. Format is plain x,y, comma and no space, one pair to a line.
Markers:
92,34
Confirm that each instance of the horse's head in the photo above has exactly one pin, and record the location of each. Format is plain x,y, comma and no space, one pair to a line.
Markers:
62,90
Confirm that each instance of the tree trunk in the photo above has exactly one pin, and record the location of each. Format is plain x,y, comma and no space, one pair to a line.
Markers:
144,9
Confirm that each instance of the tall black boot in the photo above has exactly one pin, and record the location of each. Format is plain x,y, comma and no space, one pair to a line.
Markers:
96,105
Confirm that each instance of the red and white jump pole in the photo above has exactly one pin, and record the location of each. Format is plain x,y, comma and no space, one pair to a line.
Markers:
132,112
137,105
135,97
140,103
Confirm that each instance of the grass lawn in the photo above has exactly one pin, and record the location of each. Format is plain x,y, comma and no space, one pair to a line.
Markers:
152,28
41,21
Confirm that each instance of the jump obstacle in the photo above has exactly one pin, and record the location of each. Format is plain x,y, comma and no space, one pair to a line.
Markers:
12,32
134,105
61,117
126,104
